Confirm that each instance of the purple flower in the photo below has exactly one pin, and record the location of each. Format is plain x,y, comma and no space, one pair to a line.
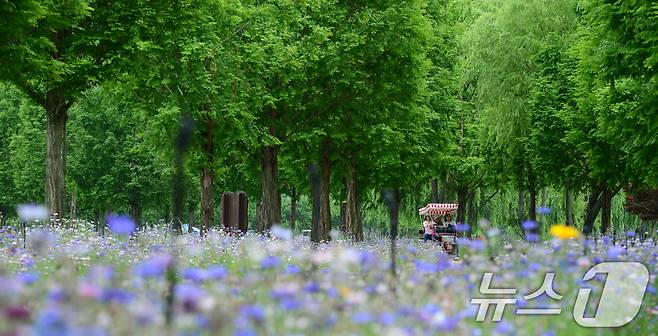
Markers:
17,313
459,227
544,210
195,274
292,269
477,245
532,237
254,312
28,278
362,317
505,328
189,295
32,212
116,295
529,225
630,234
615,252
312,287
217,272
386,319
270,262
290,304
120,224
154,267
463,241
51,323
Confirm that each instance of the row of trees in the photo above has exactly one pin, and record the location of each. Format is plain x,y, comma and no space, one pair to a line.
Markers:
565,92
474,96
274,87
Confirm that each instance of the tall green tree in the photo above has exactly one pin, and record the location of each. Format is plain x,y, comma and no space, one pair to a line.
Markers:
55,50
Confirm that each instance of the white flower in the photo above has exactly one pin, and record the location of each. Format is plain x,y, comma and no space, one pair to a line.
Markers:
32,212
281,232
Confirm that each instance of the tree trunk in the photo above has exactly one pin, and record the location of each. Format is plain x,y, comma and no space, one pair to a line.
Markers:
443,190
521,209
136,212
207,178
344,227
271,202
325,210
353,216
74,207
568,200
471,212
532,206
190,217
594,203
606,214
544,195
462,200
293,209
435,190
57,116
314,181
207,200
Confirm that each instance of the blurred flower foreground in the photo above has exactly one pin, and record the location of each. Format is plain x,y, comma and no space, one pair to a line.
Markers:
72,281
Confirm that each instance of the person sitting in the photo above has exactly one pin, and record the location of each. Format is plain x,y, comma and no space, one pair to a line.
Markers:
428,226
450,224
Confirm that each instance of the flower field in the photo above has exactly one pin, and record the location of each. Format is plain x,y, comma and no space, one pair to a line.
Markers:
75,282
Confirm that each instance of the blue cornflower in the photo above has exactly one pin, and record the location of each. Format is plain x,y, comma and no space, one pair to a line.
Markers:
386,319
154,267
505,328
195,274
51,323
529,225
544,210
120,224
615,252
362,317
532,237
217,272
292,269
116,295
255,312
270,262
462,227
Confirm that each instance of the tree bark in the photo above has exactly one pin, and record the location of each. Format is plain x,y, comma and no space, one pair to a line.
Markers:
207,178
521,208
544,195
293,209
57,116
190,217
471,212
594,204
435,190
532,206
136,211
462,200
207,200
271,202
325,210
314,181
606,213
74,208
443,190
353,213
568,200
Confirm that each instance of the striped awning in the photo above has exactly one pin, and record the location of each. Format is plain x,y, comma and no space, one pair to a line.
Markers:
438,209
